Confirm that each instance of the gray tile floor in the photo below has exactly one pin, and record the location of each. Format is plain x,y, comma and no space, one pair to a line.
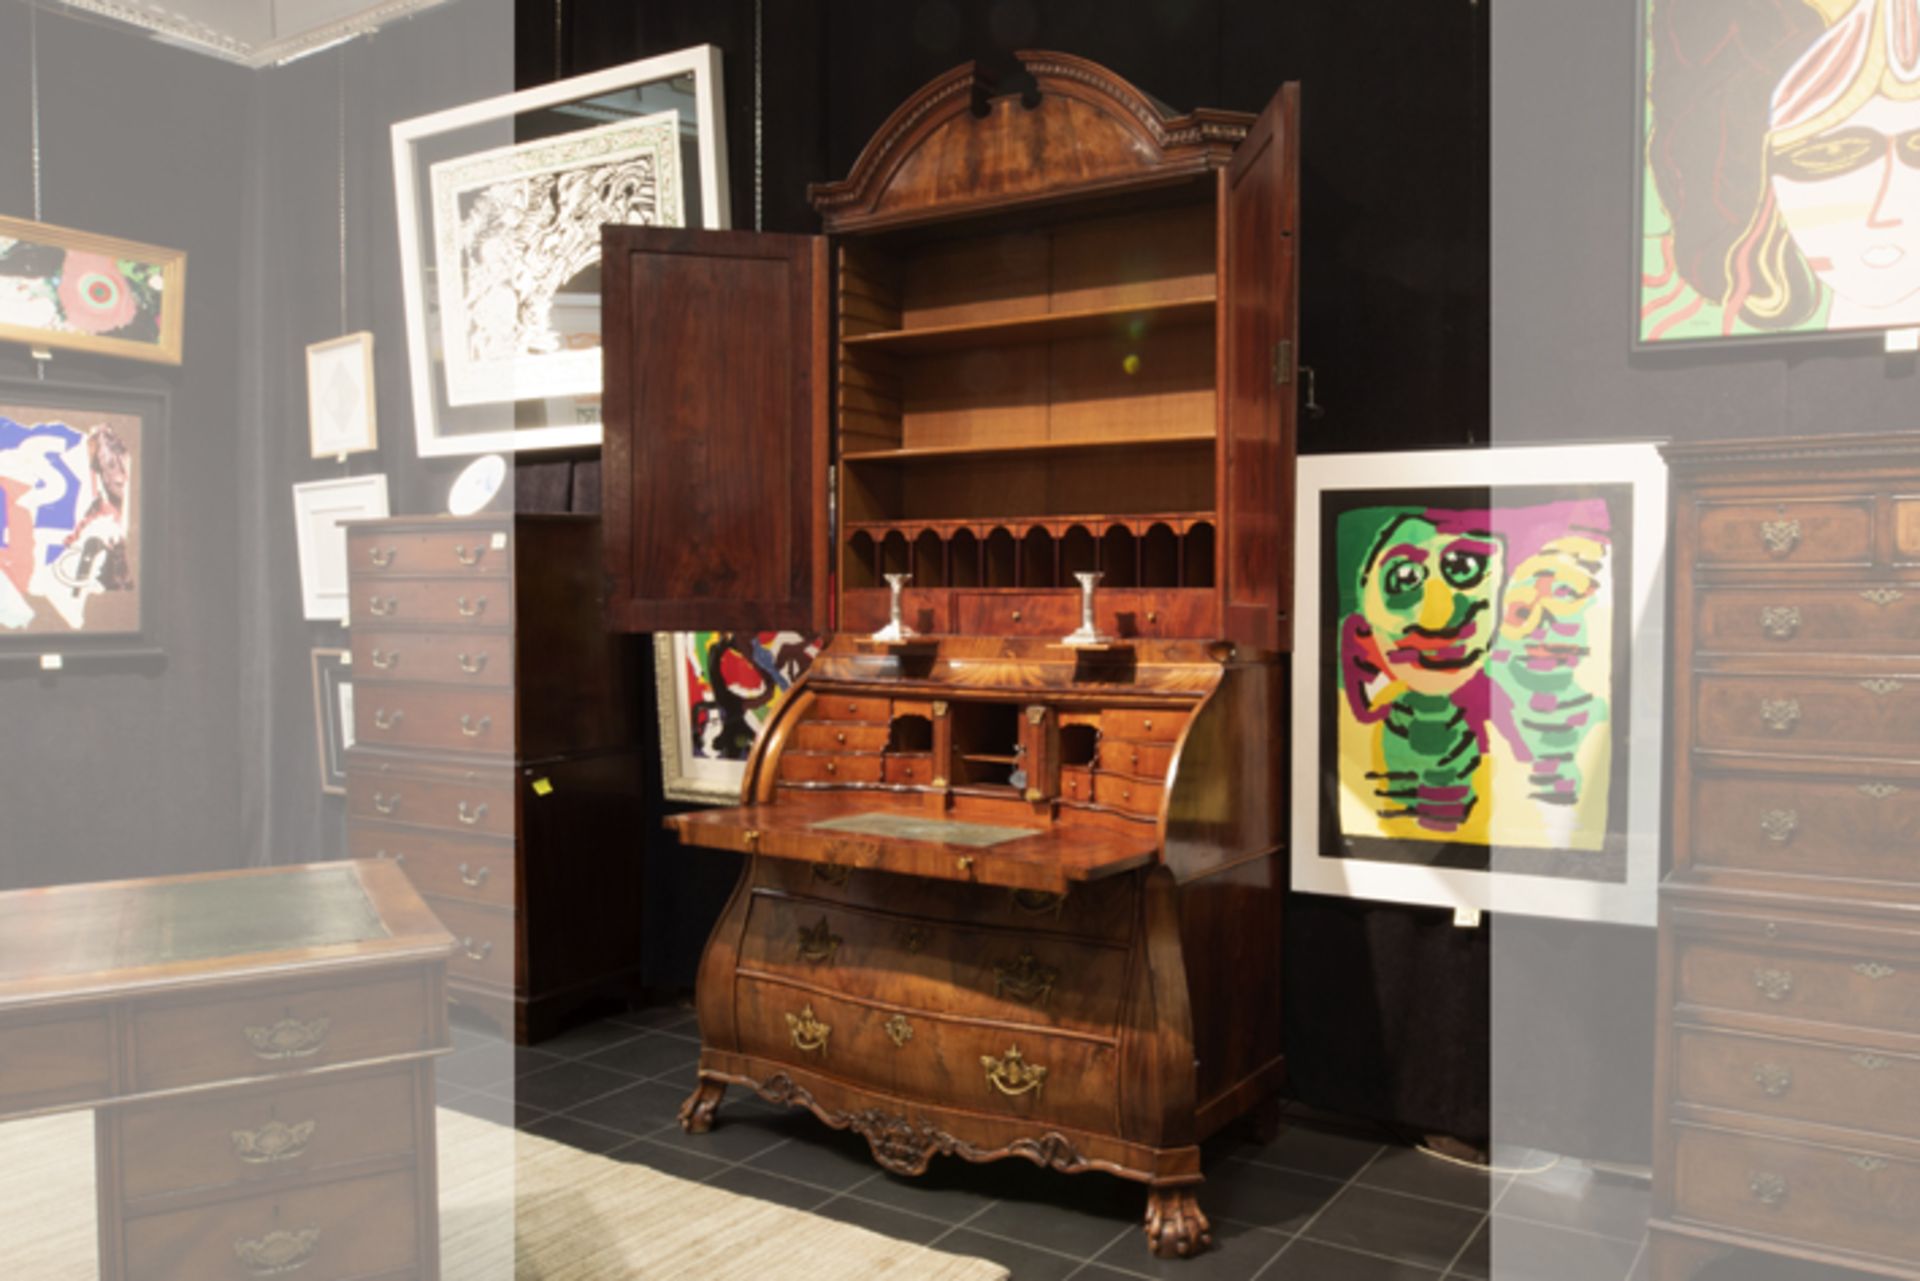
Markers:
1327,1200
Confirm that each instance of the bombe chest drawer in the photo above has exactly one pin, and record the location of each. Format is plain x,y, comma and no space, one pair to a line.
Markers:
1790,924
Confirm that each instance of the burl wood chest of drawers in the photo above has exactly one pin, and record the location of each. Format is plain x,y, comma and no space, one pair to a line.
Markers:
496,758
258,1048
1789,1069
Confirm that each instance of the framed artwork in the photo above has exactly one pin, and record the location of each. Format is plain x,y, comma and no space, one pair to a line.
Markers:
1480,639
341,414
80,473
1778,180
718,691
333,716
501,204
61,288
319,507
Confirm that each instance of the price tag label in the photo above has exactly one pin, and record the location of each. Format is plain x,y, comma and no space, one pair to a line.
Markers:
499,542
1902,340
543,787
1466,918
52,662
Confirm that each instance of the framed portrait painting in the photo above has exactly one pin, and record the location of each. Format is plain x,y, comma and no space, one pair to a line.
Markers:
1778,176
501,204
1479,642
717,693
341,415
77,291
80,479
319,509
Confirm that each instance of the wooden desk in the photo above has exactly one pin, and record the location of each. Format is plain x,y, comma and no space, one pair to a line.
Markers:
258,1049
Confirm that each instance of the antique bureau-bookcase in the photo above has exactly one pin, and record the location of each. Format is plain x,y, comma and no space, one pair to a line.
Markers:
1789,1067
495,756
1005,897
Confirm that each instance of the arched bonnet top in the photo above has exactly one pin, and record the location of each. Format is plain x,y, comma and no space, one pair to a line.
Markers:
951,148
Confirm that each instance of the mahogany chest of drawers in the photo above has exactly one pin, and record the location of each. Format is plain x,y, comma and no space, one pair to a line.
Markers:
1789,1066
495,753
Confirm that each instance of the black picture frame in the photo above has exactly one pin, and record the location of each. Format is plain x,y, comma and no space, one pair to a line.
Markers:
138,642
332,716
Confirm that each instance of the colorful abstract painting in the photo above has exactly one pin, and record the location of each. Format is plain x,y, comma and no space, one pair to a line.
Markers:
718,692
65,288
1479,651
1780,183
70,543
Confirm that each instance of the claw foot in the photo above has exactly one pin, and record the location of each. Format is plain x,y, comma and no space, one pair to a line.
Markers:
1175,1227
696,1114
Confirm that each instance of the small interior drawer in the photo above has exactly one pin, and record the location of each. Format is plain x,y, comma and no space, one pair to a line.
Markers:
1154,725
848,707
839,736
828,767
1128,795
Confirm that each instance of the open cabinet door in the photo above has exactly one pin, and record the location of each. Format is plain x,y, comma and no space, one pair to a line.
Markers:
1258,315
714,469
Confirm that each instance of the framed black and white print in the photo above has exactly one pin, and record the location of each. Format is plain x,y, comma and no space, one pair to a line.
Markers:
501,204
333,716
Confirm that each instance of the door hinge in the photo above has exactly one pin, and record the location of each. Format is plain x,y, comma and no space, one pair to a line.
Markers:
1283,362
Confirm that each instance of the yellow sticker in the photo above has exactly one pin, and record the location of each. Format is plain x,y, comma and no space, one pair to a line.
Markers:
543,787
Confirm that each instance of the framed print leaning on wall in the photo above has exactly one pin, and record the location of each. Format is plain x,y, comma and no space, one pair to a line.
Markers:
319,508
61,288
333,716
80,476
501,204
717,692
1479,638
1779,170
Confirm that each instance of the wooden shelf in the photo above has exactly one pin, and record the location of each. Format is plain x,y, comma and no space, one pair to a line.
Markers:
1042,327
1027,448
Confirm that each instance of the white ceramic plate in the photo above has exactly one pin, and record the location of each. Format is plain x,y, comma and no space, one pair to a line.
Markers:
476,485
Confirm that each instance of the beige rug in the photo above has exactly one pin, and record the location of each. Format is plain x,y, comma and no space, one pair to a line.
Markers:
512,1207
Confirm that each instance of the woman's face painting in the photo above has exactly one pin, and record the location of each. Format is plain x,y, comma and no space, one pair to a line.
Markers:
1429,598
1850,196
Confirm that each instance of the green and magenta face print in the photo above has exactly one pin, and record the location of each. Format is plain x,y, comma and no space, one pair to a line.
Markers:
1475,655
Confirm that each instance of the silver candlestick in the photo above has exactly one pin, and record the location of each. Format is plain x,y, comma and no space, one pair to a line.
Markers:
1089,632
896,628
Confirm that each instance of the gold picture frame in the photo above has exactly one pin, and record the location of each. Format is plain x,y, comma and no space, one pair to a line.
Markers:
121,298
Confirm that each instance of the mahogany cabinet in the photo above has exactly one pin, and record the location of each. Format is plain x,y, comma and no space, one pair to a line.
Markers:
1005,897
496,757
1789,1061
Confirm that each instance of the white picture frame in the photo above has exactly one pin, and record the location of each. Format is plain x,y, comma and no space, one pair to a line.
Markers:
319,508
525,126
1316,785
342,416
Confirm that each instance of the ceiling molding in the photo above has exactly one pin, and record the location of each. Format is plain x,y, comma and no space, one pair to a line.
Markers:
183,29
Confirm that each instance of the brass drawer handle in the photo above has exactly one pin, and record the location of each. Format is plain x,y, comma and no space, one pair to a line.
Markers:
399,860
384,661
290,1038
1016,615
277,1253
1779,825
1147,724
1039,902
914,939
1870,1062
1879,791
840,737
476,952
1871,1164
1013,1075
1775,985
1881,596
382,609
474,880
470,608
832,767
1780,622
1780,536
817,945
828,873
1780,714
468,558
382,559
472,666
472,728
899,1031
1773,1079
1875,970
386,720
1880,687
385,804
1767,1189
809,1033
1026,980
273,1142
470,815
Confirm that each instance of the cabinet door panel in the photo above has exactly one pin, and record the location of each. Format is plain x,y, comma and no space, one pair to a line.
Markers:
715,464
1258,317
